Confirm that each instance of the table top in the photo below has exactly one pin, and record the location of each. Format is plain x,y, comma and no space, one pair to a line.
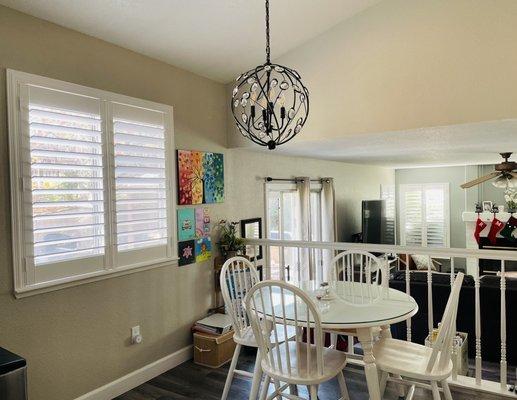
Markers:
394,306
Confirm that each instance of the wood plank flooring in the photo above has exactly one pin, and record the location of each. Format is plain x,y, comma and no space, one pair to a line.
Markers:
191,381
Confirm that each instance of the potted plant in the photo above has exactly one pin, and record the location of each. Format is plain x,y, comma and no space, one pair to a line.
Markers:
229,243
510,196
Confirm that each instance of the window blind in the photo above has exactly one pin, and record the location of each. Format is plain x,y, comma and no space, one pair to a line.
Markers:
91,182
140,178
424,210
66,175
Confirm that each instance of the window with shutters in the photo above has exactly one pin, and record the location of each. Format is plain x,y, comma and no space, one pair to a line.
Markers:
424,215
91,182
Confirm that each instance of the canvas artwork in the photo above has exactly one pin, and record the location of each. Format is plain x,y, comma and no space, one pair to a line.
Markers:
202,222
200,177
186,252
203,249
186,224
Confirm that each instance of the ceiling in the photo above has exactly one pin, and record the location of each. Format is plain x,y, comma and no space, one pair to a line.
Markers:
463,144
213,38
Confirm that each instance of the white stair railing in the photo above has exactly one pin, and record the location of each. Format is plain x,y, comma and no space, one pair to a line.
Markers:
300,251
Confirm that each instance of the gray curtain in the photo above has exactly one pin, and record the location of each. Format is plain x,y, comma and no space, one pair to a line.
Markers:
328,219
303,187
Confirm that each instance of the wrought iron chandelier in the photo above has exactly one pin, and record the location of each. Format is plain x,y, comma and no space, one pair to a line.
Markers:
270,104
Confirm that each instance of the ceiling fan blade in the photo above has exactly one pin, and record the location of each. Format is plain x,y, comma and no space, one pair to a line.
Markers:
514,174
480,180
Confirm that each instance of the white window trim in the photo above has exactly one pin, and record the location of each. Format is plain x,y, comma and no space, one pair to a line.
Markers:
21,288
402,223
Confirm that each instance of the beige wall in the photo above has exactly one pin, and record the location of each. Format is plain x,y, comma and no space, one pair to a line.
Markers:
76,339
353,183
406,64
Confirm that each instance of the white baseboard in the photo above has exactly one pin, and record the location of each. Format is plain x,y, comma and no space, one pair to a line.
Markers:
136,378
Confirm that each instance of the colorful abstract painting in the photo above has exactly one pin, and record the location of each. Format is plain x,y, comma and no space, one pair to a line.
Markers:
186,224
203,249
186,252
213,165
202,222
200,177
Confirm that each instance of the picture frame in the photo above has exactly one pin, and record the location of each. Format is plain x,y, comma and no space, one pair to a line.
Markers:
487,206
252,229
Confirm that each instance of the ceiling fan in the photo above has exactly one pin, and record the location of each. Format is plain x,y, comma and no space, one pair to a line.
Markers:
505,172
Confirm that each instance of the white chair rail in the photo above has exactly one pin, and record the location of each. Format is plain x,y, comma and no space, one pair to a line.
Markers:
284,260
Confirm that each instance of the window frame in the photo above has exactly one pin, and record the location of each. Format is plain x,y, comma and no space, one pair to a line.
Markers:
402,207
24,273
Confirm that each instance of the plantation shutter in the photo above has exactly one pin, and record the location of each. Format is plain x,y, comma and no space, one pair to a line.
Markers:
62,181
388,195
424,215
141,186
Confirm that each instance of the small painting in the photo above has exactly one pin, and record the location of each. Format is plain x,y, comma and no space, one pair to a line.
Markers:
487,206
203,249
186,224
200,177
202,222
214,177
186,252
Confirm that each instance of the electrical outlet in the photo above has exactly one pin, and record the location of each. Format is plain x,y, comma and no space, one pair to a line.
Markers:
136,337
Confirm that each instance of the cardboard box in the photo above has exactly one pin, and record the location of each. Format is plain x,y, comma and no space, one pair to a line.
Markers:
213,350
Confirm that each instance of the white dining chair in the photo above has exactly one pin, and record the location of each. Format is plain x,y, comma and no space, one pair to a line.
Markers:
418,362
298,361
367,280
238,276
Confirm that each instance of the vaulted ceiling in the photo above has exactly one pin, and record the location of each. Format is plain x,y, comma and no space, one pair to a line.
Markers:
214,38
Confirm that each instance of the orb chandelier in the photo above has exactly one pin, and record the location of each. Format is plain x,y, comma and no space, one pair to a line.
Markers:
270,104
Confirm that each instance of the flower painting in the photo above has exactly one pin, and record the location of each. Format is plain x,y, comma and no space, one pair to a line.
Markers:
186,252
203,249
200,177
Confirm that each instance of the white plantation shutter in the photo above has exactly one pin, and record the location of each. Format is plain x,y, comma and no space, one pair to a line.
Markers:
388,195
424,215
91,181
141,185
63,179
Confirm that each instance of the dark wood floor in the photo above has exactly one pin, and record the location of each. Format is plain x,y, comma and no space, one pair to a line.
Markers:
191,381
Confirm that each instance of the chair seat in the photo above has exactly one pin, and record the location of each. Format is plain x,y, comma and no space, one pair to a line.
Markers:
334,362
408,359
247,338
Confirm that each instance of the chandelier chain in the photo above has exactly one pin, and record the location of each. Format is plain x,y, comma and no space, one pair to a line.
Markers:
268,51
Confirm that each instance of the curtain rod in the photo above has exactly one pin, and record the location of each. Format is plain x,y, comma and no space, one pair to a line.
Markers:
269,179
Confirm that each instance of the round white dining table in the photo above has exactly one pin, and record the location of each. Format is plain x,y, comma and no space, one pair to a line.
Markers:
339,314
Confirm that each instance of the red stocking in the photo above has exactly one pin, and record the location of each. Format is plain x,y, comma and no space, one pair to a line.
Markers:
494,230
480,225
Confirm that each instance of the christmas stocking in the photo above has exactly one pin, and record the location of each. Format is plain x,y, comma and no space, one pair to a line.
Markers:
494,230
509,228
480,225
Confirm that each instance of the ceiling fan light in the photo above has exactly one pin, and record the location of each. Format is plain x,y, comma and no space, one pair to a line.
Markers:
502,182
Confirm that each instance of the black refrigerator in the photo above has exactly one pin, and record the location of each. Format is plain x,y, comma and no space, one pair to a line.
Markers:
377,228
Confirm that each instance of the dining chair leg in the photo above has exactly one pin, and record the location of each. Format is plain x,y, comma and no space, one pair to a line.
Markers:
231,372
384,380
342,386
257,377
446,390
265,388
435,390
314,392
333,340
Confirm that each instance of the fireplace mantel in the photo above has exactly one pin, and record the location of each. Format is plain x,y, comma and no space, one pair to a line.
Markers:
470,219
469,216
